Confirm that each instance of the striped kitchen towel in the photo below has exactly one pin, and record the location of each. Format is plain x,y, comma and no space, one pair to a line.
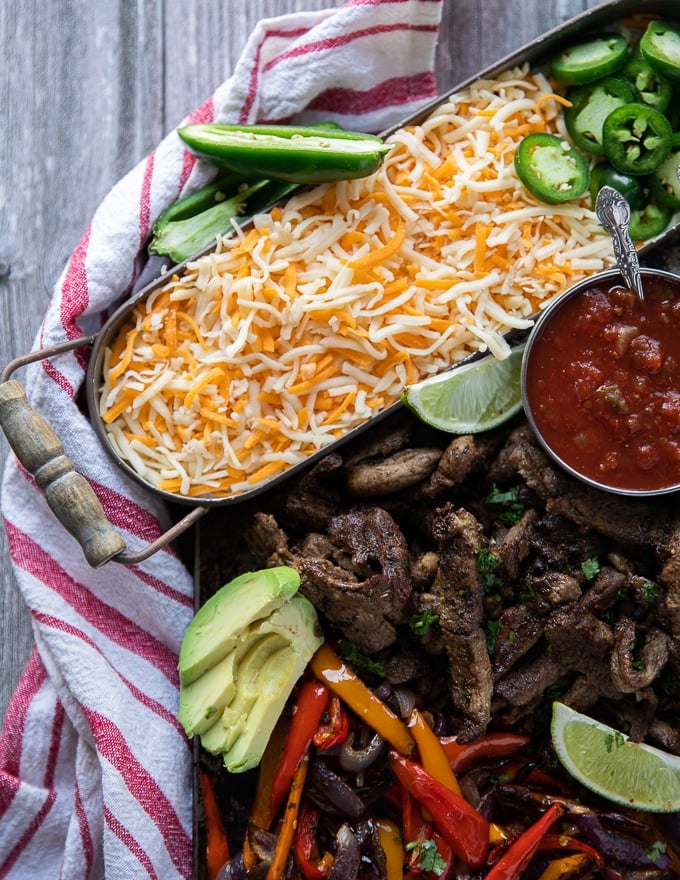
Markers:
95,771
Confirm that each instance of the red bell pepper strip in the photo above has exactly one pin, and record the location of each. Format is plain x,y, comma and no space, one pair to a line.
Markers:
216,845
304,844
334,731
415,827
514,860
310,704
418,830
462,827
490,745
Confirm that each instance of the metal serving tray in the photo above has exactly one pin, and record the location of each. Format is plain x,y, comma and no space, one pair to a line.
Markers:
215,535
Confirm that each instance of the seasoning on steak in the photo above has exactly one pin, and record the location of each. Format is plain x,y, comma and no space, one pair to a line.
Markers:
517,583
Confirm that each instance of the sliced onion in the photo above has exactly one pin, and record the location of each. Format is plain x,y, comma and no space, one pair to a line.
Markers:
347,855
355,760
335,790
405,700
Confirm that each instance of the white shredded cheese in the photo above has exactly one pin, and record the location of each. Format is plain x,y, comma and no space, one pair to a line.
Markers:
313,319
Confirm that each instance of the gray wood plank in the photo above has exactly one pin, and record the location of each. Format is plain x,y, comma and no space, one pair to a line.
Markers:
88,88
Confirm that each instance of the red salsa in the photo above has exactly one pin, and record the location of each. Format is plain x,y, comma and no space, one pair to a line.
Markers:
603,384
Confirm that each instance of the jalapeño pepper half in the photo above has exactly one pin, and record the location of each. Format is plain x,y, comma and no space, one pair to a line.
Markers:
660,47
636,138
550,168
590,59
298,154
664,184
590,106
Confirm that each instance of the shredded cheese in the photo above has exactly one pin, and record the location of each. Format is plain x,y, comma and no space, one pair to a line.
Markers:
308,323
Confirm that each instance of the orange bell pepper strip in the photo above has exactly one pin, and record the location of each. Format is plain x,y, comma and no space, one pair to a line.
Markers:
346,684
261,815
217,845
432,755
286,834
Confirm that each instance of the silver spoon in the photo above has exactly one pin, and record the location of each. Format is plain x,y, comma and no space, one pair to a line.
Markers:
613,212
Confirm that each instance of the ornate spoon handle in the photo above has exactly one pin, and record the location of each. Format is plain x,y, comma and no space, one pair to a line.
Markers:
613,212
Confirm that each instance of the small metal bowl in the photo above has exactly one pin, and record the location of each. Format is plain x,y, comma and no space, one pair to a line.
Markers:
608,411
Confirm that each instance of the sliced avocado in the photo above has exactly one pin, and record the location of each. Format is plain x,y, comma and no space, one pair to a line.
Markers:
278,677
233,717
217,626
282,645
275,681
202,701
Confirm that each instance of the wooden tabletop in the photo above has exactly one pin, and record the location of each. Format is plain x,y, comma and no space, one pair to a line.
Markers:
88,88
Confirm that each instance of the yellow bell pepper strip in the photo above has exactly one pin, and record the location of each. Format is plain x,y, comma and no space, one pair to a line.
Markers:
298,154
310,704
460,825
565,867
389,835
432,755
345,683
515,859
216,845
564,842
462,756
284,841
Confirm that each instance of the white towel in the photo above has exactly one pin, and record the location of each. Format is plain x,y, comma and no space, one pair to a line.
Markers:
95,771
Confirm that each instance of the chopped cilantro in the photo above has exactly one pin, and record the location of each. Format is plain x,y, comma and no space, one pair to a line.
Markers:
486,566
656,850
350,652
421,624
590,568
614,741
649,591
512,514
496,496
427,856
492,629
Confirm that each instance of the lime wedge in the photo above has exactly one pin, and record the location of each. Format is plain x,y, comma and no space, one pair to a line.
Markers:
605,761
473,397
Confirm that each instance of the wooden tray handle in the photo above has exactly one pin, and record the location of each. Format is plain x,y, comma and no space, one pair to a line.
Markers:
68,493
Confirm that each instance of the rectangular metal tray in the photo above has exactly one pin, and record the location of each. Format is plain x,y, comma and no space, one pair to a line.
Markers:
215,535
